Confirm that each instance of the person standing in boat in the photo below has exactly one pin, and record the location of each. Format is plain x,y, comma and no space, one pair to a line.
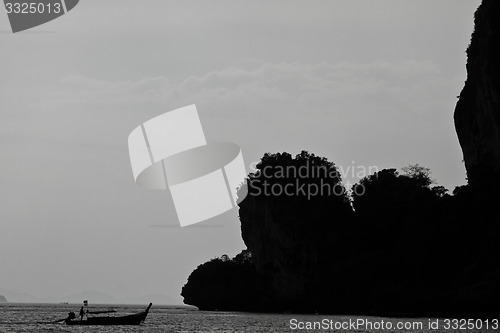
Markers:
81,313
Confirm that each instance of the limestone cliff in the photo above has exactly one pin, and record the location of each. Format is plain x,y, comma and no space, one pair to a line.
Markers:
290,236
406,249
477,113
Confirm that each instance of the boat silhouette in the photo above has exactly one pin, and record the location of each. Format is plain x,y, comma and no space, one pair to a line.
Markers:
133,319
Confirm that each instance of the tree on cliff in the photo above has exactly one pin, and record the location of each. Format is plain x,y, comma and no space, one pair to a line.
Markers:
389,197
390,206
419,174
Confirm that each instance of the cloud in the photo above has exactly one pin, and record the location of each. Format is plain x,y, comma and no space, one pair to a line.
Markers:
385,113
411,86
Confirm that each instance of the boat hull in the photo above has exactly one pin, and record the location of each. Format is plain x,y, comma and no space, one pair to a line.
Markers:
133,319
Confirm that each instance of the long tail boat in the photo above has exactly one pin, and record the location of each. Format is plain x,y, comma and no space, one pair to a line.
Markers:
133,319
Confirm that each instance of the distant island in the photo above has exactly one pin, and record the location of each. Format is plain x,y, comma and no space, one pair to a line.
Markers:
394,244
3,299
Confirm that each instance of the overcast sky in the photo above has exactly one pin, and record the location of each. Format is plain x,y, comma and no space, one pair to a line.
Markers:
361,82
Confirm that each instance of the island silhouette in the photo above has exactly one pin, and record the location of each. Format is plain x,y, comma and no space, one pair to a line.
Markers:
394,244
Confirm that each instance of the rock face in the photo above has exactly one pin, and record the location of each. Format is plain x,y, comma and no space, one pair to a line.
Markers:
477,113
289,235
477,122
3,299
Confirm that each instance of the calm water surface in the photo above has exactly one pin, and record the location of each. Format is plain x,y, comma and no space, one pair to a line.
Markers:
37,318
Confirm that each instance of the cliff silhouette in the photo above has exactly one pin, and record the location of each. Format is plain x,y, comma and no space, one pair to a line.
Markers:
477,113
228,284
397,244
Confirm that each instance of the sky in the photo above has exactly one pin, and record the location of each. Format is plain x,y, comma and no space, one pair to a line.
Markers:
364,83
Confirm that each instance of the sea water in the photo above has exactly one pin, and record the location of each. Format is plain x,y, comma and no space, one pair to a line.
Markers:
41,317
